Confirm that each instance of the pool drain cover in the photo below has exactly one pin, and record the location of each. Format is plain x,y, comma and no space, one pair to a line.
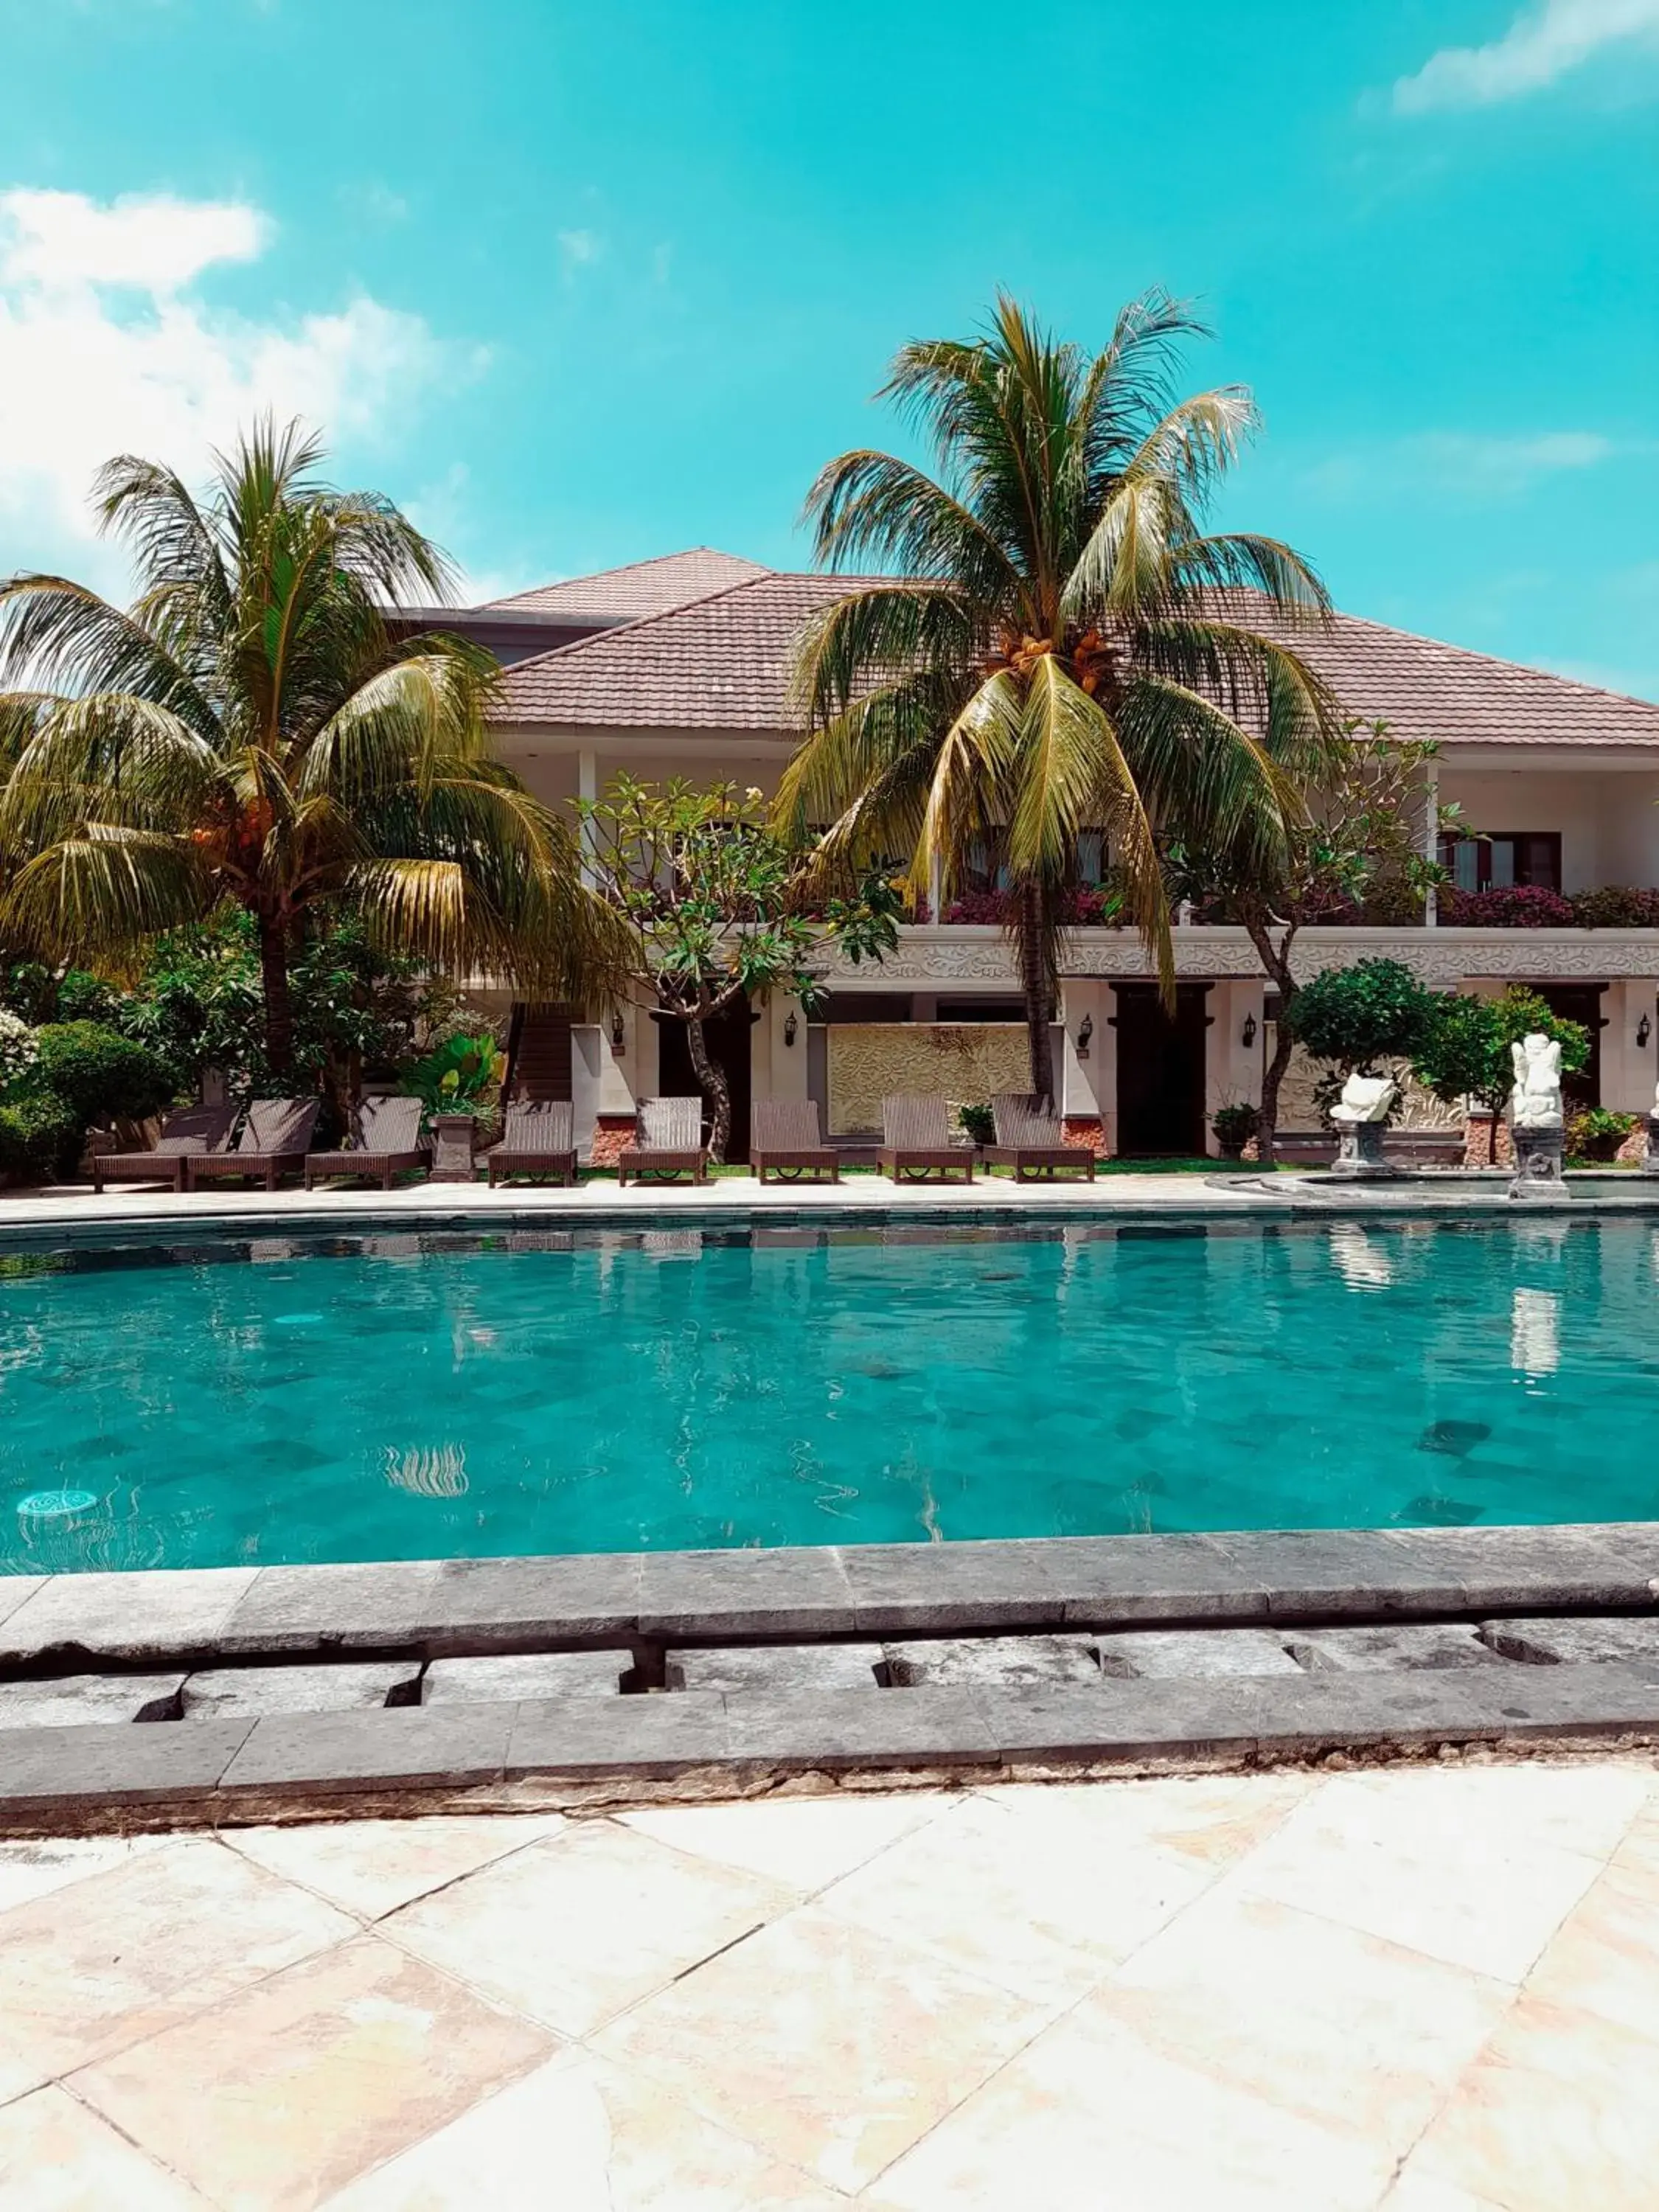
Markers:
56,1504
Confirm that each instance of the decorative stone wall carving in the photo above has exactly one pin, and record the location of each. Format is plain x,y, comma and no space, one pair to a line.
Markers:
964,1062
1444,958
1419,1108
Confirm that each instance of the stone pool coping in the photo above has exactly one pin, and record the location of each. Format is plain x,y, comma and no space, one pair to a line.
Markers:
703,1743
440,1608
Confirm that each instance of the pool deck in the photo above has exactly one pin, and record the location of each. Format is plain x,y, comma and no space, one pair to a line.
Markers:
74,1214
1431,1989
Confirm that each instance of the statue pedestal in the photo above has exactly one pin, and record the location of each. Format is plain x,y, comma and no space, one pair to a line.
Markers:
1536,1169
451,1147
1359,1154
1650,1157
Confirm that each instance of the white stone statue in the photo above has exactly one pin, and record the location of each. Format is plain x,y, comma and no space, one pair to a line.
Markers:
1365,1098
1535,1101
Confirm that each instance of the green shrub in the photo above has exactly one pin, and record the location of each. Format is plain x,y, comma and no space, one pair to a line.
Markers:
1354,1017
100,1075
40,1138
1597,1134
456,1076
1235,1125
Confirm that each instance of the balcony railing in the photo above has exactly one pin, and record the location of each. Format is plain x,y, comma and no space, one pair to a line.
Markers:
1613,906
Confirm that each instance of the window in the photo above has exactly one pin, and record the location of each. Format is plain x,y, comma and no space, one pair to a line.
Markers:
1530,857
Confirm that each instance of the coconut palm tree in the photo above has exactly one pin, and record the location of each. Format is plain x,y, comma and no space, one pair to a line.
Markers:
253,730
1060,648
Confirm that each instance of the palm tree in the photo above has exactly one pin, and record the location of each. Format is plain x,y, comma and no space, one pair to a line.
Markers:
1053,645
254,730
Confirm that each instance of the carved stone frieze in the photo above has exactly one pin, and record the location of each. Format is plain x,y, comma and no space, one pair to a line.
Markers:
1440,956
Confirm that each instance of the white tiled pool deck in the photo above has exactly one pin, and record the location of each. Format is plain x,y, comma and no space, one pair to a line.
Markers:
1427,1989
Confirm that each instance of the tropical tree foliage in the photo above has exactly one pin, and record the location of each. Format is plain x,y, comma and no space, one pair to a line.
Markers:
1463,1049
252,729
1061,647
718,909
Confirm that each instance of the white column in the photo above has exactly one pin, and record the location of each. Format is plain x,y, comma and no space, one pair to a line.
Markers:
588,787
936,890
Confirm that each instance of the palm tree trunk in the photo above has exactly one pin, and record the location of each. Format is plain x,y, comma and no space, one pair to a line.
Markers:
278,996
712,1077
1031,942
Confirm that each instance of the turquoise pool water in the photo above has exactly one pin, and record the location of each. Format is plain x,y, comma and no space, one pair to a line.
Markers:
399,1397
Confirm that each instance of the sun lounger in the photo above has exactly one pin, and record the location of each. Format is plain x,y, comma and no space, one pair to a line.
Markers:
668,1140
191,1133
916,1141
538,1140
786,1139
386,1133
1031,1143
271,1142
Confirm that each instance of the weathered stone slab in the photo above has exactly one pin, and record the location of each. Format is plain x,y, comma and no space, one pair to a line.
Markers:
834,1729
644,1735
1551,1643
137,1616
454,1746
223,1692
1540,1703
993,1660
1218,1717
1318,1573
483,1605
1180,1654
1107,1579
332,1609
72,1700
66,1770
744,1593
1391,1649
776,1666
1498,1569
900,1588
525,1674
14,1588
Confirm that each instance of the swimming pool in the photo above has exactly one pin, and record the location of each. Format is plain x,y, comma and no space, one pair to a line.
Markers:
405,1396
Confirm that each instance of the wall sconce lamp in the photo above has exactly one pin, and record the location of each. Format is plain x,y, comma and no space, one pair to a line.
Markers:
618,1033
1085,1029
1249,1031
1644,1031
789,1027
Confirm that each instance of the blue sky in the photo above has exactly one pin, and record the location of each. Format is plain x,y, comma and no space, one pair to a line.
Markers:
582,284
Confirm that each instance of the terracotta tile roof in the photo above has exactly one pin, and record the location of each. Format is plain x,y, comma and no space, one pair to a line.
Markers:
1425,689
644,588
721,663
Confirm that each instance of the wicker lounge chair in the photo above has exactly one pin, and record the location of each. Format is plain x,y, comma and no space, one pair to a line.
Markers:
1031,1143
187,1134
387,1138
538,1140
786,1139
668,1140
916,1141
271,1142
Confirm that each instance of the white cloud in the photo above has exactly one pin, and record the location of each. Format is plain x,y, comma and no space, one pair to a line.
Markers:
62,240
1460,465
106,347
1544,43
578,247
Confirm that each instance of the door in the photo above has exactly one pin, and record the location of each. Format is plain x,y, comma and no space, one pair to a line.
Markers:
1160,1070
728,1037
1579,1002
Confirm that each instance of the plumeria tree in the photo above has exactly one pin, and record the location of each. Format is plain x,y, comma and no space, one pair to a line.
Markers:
1060,646
250,729
719,909
1356,840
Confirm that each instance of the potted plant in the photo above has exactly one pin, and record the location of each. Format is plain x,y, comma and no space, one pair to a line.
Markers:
1235,1125
453,1081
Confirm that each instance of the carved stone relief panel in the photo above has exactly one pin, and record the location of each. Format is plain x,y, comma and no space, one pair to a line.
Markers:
962,1061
